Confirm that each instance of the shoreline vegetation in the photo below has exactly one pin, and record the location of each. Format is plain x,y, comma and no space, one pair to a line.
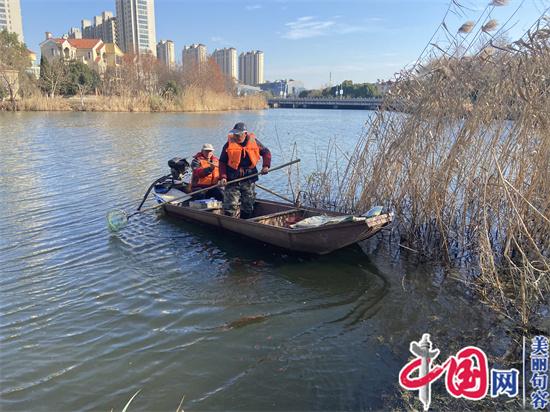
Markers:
191,101
469,186
135,84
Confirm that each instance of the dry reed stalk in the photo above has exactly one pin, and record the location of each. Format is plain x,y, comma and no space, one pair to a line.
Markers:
40,103
466,168
194,100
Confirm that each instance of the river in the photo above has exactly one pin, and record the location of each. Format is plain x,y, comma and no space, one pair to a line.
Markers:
87,318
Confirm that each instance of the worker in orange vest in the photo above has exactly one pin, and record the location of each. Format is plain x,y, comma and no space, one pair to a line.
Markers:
239,158
206,173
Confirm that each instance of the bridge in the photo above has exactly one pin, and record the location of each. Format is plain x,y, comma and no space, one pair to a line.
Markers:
326,103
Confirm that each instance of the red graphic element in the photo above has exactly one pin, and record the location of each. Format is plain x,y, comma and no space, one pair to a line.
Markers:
467,374
416,383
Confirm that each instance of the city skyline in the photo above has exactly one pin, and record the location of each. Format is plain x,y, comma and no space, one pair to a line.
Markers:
310,41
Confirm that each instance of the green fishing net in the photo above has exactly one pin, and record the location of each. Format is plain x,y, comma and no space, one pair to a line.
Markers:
116,220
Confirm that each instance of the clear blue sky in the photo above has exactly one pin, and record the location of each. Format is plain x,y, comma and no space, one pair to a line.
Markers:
359,40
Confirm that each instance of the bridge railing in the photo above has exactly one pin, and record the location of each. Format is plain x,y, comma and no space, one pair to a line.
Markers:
325,99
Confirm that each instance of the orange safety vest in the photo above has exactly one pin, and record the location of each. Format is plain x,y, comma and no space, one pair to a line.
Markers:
213,177
236,152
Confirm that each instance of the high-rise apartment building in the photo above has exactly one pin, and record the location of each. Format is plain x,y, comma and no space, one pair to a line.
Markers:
75,33
136,26
251,67
227,60
166,53
193,56
102,27
10,17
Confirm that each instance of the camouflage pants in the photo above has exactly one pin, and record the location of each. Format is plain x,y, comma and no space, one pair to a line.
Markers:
243,194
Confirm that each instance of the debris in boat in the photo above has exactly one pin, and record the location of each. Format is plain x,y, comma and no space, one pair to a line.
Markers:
375,211
244,321
316,221
205,204
292,220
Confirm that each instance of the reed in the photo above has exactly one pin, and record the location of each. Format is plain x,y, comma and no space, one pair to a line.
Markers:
40,103
466,167
191,100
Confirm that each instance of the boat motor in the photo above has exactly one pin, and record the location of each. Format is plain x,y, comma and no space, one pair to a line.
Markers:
179,168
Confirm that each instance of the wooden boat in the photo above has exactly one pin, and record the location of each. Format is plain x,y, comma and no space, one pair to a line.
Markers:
270,224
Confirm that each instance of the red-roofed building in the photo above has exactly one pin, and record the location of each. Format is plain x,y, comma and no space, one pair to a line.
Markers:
89,51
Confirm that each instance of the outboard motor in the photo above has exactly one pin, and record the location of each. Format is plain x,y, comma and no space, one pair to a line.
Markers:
178,167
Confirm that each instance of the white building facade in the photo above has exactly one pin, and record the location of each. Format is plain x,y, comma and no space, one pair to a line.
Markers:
227,60
102,27
166,53
136,26
193,56
10,17
251,68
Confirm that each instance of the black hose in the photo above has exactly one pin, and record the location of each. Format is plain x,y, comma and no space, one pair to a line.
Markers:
160,179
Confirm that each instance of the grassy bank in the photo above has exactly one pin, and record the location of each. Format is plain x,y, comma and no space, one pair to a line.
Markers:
192,100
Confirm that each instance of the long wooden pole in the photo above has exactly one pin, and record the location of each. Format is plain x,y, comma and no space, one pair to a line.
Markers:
265,189
206,189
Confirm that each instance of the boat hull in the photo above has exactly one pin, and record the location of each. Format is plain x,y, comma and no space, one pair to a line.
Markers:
319,240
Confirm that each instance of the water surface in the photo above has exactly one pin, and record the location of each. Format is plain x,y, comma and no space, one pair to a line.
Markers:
87,318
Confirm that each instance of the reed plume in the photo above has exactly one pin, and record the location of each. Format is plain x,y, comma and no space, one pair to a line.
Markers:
466,27
489,26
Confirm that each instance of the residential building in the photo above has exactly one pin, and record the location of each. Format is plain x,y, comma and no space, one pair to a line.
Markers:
251,67
246,90
136,26
193,56
227,60
10,17
88,51
166,53
102,27
33,68
113,55
75,33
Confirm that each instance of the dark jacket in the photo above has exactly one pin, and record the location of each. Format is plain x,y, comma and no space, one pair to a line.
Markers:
244,166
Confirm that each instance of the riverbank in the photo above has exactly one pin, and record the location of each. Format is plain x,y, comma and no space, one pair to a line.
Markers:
190,101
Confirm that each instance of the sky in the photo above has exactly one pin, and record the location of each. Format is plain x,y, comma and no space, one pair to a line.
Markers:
311,41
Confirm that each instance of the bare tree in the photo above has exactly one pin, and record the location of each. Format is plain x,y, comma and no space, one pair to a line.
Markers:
52,75
14,59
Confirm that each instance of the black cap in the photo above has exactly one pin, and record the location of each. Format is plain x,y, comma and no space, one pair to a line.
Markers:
239,128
